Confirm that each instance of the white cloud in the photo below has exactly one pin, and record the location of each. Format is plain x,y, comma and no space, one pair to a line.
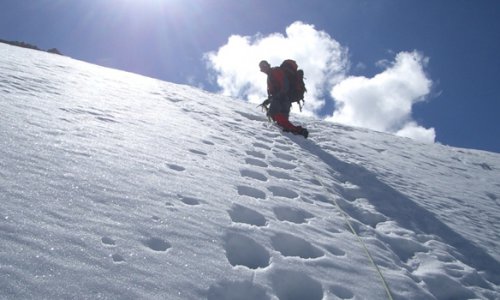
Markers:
419,133
323,60
385,101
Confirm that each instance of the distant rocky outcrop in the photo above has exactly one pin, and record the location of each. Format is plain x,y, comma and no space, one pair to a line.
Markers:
54,50
29,46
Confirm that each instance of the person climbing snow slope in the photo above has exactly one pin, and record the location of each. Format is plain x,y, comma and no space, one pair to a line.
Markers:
278,90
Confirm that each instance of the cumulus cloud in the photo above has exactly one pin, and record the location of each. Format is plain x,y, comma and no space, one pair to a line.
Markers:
383,102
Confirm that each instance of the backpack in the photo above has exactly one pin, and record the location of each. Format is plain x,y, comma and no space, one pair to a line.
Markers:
295,78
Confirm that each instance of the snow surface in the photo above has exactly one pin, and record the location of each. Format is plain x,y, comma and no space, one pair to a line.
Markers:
118,186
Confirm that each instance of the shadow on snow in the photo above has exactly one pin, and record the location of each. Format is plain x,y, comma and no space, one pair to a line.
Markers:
405,211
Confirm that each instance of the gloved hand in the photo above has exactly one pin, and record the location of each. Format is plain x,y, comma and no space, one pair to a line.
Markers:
265,104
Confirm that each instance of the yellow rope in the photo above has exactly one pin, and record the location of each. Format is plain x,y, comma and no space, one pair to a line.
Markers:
370,257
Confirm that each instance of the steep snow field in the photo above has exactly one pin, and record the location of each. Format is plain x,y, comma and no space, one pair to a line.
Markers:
118,186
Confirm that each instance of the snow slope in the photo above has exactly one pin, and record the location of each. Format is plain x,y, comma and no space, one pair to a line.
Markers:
118,186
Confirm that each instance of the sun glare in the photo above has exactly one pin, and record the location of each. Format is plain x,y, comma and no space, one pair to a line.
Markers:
149,3
148,8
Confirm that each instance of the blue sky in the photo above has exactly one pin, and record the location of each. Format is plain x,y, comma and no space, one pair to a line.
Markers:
425,69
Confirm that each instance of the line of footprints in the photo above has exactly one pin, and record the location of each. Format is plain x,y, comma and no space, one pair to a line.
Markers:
242,250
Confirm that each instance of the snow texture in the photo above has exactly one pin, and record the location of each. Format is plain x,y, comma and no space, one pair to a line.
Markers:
118,186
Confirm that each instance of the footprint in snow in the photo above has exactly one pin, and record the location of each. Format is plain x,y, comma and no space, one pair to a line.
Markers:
242,290
291,214
286,157
197,152
251,192
290,245
117,258
282,192
262,146
244,251
256,154
190,200
485,166
264,139
403,246
283,147
361,210
157,219
283,165
157,244
281,175
281,141
106,119
322,198
108,241
293,285
341,292
218,138
335,251
175,100
491,196
242,214
351,191
206,142
271,135
176,167
253,174
255,162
